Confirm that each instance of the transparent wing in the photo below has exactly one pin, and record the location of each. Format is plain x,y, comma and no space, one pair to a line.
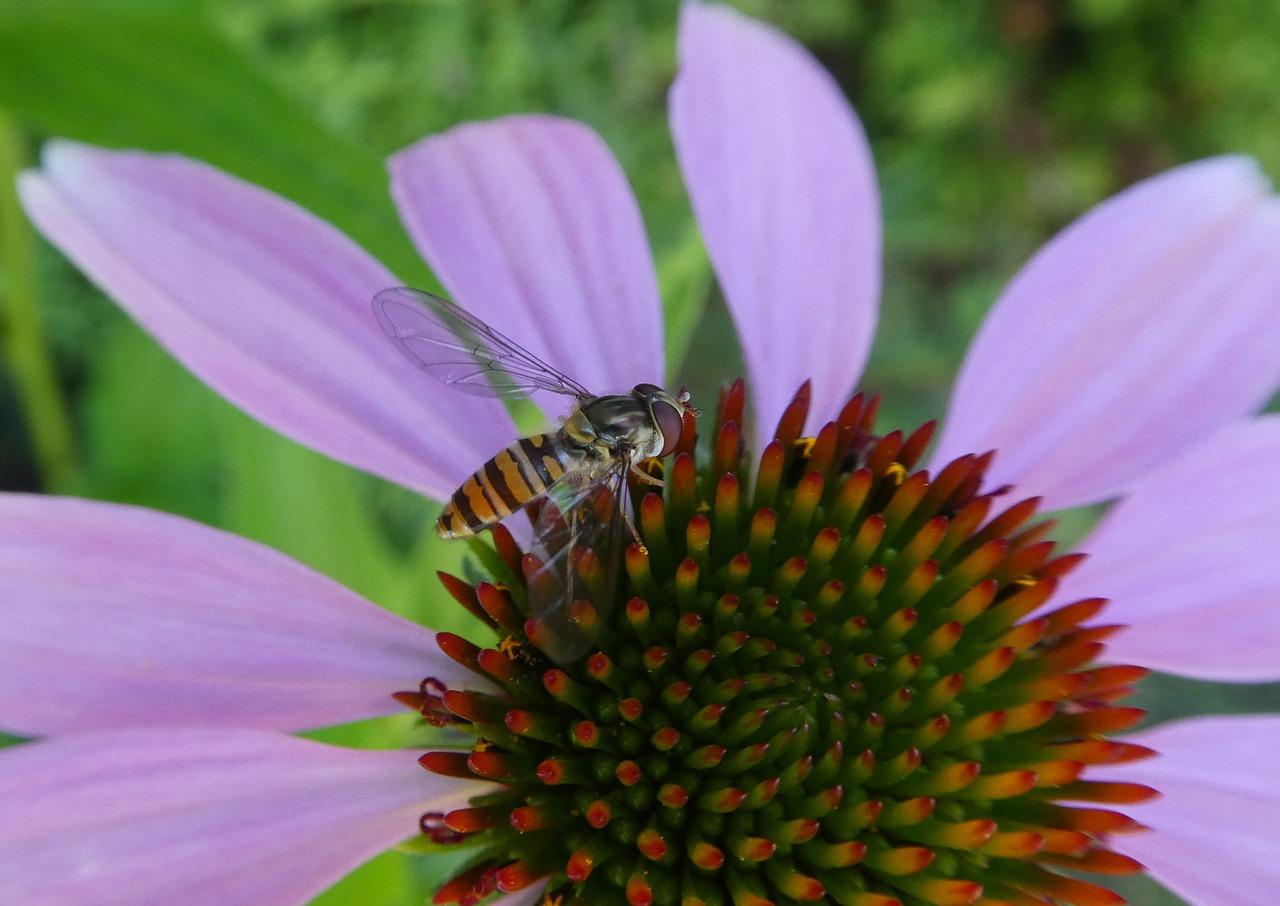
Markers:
463,351
579,537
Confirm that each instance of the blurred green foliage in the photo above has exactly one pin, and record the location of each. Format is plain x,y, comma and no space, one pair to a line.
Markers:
993,124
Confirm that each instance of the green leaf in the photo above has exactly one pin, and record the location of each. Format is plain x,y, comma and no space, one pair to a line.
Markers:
148,426
303,504
158,76
382,881
684,280
21,331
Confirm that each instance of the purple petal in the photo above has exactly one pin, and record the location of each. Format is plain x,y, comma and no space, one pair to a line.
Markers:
1213,831
264,302
1139,329
530,224
115,616
783,184
1189,561
201,816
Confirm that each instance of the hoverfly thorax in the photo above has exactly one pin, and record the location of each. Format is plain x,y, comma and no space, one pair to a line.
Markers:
645,423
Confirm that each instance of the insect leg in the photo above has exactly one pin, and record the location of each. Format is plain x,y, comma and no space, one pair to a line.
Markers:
638,471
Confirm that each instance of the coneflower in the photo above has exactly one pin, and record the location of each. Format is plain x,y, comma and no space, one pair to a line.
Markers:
838,671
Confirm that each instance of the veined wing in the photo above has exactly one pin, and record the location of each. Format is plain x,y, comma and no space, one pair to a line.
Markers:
579,537
463,351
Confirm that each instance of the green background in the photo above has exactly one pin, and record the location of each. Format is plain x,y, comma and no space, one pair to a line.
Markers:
993,124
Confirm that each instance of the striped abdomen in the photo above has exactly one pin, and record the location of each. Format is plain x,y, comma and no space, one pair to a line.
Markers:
519,474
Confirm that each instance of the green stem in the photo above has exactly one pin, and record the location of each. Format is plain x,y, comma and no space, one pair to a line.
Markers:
25,351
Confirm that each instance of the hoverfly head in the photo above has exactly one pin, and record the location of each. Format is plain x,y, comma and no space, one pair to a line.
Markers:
667,412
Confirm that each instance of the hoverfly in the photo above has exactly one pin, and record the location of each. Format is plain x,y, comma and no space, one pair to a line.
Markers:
581,469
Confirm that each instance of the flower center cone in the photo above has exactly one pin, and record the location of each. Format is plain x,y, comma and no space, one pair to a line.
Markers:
820,676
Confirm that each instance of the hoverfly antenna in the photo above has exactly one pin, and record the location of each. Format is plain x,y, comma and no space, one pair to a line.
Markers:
683,398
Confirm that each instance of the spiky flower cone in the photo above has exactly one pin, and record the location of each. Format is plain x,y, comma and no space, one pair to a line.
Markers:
825,684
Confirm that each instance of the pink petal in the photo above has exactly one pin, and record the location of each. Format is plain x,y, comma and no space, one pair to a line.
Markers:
1189,561
115,616
1213,839
1139,329
265,303
530,224
201,816
783,184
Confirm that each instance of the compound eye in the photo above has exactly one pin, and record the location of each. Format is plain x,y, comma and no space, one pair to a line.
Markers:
670,421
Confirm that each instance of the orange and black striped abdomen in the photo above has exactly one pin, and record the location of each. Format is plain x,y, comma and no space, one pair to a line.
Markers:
519,474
